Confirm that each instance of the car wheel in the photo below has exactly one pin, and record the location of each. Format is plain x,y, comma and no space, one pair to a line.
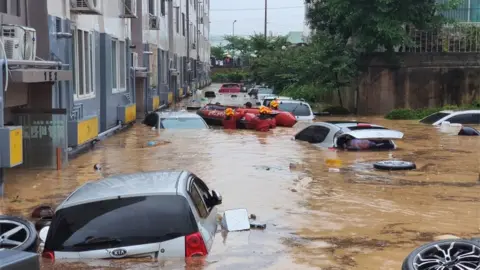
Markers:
446,254
394,165
18,234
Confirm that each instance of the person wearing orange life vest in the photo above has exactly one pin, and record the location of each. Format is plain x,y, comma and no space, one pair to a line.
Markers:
274,104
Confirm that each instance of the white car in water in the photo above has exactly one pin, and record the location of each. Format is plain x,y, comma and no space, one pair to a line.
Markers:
159,214
300,109
469,117
336,134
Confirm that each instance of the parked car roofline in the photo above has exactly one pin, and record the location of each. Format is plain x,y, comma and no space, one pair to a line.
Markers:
133,188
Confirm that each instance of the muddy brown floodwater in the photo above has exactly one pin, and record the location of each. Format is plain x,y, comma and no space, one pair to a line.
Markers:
357,218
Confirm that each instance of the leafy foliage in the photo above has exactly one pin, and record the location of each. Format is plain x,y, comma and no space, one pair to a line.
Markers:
217,51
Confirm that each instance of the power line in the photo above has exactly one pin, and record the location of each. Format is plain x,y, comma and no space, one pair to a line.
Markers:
249,9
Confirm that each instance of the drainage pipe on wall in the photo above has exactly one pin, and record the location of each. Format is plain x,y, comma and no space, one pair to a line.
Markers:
111,130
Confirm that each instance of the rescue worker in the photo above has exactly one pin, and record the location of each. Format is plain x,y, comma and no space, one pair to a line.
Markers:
274,104
248,105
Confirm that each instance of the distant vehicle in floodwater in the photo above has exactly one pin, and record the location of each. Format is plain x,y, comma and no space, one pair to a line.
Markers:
230,88
469,117
175,120
338,134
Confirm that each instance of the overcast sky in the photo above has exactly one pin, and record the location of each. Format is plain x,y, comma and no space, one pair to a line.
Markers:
283,16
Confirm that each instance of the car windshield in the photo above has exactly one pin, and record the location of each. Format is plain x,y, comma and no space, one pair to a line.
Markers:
128,221
183,123
297,109
433,118
265,91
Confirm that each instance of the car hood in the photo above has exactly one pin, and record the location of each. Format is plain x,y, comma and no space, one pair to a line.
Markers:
372,134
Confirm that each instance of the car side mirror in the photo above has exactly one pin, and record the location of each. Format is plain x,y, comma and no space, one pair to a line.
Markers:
217,197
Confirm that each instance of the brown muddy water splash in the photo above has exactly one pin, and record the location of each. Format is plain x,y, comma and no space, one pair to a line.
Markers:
357,218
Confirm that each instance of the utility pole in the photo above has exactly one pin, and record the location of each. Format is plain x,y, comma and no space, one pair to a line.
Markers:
266,13
233,28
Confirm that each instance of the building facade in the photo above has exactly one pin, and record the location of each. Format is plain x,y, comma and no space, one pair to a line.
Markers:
99,65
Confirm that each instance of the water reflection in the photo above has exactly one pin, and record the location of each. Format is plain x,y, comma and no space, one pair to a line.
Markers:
354,218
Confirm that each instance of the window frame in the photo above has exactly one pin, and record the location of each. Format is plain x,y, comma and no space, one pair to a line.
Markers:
120,46
88,82
151,7
192,187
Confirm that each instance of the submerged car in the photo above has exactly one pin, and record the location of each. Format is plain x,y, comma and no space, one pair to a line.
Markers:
175,120
338,134
230,88
266,100
469,117
150,214
300,109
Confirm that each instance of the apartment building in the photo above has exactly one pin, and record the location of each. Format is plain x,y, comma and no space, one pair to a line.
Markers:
98,66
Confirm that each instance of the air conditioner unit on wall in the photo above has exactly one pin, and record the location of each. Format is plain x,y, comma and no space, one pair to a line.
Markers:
86,6
129,9
154,22
20,42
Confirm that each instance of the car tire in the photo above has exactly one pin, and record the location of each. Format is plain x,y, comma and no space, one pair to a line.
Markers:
435,254
394,165
28,232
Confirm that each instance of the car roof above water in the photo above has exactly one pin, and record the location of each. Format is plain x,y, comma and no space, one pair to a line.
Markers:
178,114
129,185
345,124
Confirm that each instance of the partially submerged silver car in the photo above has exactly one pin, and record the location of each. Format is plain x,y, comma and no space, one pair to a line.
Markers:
337,134
152,214
175,120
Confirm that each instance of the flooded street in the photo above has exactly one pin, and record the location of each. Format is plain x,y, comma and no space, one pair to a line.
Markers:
358,218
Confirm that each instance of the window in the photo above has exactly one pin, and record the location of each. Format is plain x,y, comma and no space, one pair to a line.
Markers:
433,118
3,7
132,220
162,7
178,20
313,134
119,66
84,75
184,24
466,118
183,123
15,8
297,109
151,7
198,201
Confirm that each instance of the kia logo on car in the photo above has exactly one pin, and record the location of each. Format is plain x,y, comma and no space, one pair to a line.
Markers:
118,253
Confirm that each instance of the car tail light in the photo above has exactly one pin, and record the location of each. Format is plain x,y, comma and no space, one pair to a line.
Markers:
195,246
363,125
48,254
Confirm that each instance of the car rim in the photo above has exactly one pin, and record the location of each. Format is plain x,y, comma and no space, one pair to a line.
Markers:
448,256
12,234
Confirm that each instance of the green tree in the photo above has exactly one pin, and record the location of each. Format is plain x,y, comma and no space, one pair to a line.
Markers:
237,44
376,23
217,51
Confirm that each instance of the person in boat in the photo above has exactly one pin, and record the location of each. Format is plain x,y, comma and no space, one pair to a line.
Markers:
248,105
274,105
